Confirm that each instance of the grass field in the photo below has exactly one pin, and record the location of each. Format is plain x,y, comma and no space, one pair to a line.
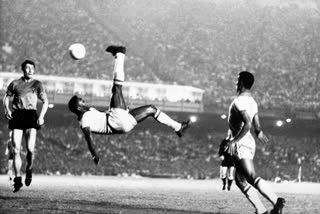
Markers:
97,194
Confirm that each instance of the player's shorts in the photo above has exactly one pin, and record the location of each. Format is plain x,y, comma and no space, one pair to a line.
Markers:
10,156
227,172
245,148
120,120
24,119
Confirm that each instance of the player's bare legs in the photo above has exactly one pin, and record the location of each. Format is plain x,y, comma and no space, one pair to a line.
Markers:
16,143
30,138
231,171
10,169
251,194
140,113
143,112
117,100
246,170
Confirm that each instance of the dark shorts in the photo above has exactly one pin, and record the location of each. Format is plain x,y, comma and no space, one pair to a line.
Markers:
10,156
228,161
24,119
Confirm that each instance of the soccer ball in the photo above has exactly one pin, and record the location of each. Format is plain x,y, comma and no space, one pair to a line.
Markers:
77,51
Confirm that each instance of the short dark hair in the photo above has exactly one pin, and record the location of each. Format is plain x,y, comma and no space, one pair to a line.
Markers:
73,104
24,64
247,79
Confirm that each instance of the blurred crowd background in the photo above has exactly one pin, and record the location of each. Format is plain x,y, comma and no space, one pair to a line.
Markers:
189,42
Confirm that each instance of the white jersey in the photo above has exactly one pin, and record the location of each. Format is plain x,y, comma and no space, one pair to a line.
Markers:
95,120
248,104
116,120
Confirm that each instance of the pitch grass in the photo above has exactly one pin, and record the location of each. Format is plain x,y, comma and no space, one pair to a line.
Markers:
136,195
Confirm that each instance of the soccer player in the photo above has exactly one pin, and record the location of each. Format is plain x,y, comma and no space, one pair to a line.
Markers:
9,152
118,119
23,118
227,167
243,114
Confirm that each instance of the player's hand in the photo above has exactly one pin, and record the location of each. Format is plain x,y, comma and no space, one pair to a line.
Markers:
8,114
96,159
231,149
40,121
261,136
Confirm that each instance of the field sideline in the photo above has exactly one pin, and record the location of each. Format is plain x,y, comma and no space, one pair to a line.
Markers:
104,194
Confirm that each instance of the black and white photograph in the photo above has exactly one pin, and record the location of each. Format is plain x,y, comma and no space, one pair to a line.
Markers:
160,106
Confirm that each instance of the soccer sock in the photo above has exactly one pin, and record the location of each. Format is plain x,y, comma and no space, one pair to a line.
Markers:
118,71
10,162
254,199
230,182
265,190
166,120
17,165
224,181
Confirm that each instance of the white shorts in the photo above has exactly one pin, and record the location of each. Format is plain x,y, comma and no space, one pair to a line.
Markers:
245,148
227,172
120,120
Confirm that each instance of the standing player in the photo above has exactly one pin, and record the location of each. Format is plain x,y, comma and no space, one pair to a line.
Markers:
118,119
227,167
23,119
243,114
9,152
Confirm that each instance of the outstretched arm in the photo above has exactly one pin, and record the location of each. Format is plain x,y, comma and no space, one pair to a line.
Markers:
87,134
257,128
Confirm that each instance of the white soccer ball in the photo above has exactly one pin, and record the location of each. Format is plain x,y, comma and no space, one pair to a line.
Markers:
77,51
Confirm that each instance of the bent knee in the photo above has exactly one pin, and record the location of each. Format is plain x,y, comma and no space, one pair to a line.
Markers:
16,150
152,110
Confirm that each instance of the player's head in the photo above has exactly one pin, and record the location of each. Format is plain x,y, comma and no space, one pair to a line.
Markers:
77,105
245,80
28,68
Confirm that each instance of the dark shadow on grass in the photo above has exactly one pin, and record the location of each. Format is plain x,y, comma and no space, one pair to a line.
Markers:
15,205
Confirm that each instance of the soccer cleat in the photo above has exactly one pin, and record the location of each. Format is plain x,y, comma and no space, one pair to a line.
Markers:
116,49
184,126
17,184
223,187
277,209
28,179
229,188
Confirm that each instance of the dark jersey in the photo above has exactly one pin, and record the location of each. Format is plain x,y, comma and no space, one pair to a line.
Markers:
26,93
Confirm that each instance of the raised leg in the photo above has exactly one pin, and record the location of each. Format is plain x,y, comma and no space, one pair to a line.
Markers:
117,99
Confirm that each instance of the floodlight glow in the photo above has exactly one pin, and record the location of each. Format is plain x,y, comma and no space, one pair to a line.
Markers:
279,123
288,120
193,119
223,116
51,105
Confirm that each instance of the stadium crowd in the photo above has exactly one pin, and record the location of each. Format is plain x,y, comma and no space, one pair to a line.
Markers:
198,43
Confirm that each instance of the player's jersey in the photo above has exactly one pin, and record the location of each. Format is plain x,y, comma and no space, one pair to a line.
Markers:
241,103
26,93
115,121
246,145
95,120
